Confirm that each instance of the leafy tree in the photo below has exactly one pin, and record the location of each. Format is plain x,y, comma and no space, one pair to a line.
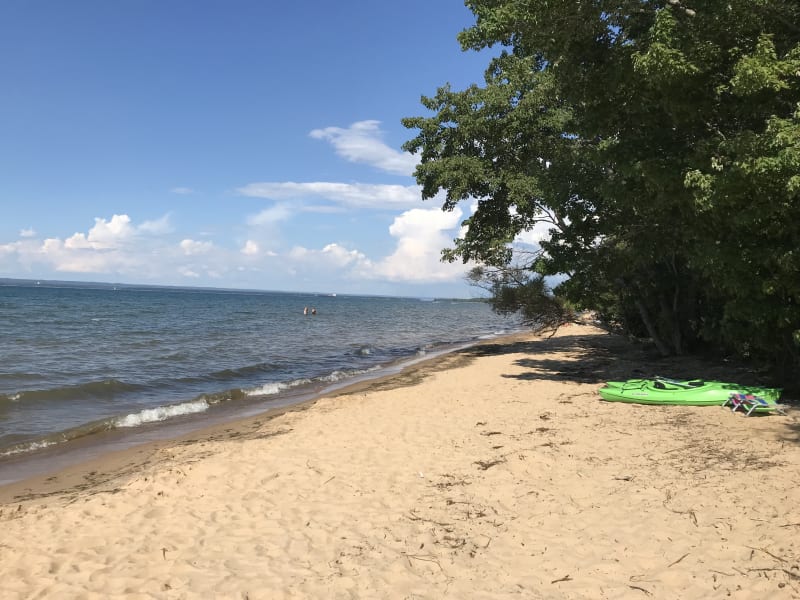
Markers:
518,290
660,140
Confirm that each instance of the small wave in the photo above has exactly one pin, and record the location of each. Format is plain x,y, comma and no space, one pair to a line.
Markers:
337,376
161,413
57,438
143,417
29,447
275,387
267,389
224,396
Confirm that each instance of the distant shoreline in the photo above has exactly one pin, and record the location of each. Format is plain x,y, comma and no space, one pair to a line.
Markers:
116,286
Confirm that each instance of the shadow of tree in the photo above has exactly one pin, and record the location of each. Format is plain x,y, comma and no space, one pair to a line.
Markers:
582,358
601,357
792,431
595,358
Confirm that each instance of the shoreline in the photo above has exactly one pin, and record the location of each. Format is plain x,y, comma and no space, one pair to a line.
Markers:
487,472
69,454
149,359
97,457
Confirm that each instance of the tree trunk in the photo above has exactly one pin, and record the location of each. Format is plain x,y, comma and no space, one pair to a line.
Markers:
671,319
648,323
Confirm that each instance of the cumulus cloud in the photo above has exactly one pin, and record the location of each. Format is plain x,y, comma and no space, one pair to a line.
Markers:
27,233
420,235
104,235
331,255
79,254
121,247
114,245
362,142
182,191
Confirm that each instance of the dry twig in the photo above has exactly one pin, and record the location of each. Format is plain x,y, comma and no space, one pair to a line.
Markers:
641,589
486,464
677,561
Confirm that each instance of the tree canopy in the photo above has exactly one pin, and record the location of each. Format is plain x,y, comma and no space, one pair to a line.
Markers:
659,140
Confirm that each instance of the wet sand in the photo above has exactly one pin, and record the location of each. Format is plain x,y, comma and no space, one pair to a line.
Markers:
491,472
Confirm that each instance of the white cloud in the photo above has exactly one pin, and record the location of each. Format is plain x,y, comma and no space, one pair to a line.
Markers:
75,242
22,252
257,252
193,247
117,246
351,195
532,237
10,247
322,208
157,226
331,255
270,216
341,256
112,245
362,143
79,254
421,234
250,248
104,234
188,272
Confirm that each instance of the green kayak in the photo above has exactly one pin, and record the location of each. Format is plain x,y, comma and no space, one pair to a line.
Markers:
691,392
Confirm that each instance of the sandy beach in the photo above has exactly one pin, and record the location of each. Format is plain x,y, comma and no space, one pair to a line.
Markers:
492,472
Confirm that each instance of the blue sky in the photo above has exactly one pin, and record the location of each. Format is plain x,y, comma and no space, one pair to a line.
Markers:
244,144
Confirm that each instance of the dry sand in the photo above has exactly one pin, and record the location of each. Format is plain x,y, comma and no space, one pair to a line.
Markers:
494,472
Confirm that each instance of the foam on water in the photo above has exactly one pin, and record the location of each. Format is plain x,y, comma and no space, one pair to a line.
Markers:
337,376
161,413
267,389
19,449
275,387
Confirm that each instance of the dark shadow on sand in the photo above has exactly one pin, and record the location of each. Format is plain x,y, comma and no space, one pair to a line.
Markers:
597,358
594,358
591,358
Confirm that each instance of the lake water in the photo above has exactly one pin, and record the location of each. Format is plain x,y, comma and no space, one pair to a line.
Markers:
81,360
